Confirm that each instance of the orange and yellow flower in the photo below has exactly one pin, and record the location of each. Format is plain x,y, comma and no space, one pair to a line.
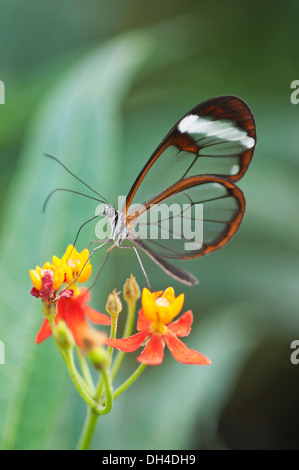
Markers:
74,265
72,305
156,329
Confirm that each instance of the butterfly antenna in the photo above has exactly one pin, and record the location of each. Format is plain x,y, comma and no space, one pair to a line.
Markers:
75,176
69,191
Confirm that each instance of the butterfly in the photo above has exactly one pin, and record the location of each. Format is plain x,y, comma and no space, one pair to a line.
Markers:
196,166
198,162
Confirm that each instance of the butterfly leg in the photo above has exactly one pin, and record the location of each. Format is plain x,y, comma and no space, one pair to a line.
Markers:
90,255
100,269
140,263
94,242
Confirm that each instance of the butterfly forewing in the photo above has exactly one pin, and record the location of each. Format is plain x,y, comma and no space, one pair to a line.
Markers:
217,137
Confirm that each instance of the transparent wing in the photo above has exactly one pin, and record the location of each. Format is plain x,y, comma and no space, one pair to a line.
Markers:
192,218
217,137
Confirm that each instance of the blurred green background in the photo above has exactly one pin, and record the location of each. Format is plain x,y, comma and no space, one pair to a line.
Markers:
99,83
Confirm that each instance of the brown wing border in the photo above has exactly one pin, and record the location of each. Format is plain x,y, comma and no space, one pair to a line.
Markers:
221,107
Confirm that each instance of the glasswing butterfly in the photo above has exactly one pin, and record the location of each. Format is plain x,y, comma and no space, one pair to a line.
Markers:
198,163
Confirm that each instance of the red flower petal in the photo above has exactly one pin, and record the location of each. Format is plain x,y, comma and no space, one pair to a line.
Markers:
153,352
44,332
84,295
72,312
96,317
142,322
183,354
34,292
128,344
182,326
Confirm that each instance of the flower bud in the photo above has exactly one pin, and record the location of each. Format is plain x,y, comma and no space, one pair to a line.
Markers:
131,290
114,305
98,357
63,336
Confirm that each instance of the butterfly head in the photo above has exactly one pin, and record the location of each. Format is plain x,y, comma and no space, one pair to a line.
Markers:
109,211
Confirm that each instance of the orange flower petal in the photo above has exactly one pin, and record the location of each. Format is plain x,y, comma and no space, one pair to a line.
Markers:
182,326
129,344
44,332
97,317
183,354
153,352
142,321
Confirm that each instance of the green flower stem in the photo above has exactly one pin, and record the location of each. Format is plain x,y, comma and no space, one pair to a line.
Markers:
129,381
127,332
113,330
77,380
85,371
92,416
109,396
88,430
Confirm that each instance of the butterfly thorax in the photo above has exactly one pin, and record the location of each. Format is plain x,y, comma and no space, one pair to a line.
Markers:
119,229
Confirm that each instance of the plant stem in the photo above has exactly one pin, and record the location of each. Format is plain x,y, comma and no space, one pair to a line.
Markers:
88,430
124,386
92,417
77,380
127,332
109,396
85,371
113,330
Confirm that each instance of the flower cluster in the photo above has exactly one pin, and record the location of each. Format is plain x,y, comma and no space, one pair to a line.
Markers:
67,316
155,324
70,304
